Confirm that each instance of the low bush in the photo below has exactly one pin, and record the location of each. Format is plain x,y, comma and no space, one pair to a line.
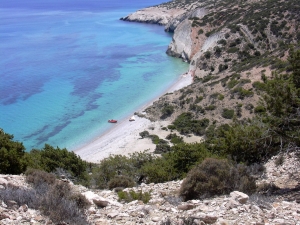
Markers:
216,177
210,107
121,181
115,165
132,195
228,113
232,83
260,109
185,124
162,148
167,111
144,134
242,93
50,159
259,86
52,197
207,54
174,138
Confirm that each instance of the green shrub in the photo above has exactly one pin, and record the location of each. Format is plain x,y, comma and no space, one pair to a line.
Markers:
185,124
228,113
200,32
132,195
144,134
155,139
114,165
259,86
216,177
121,181
222,42
207,54
162,148
223,67
233,50
174,138
232,83
245,142
11,155
220,97
244,81
242,93
211,107
171,127
167,111
259,109
159,170
185,156
51,159
111,167
198,99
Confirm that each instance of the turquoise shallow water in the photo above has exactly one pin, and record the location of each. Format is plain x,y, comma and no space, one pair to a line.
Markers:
67,68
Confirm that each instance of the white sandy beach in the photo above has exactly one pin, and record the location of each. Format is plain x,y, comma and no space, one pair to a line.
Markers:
124,137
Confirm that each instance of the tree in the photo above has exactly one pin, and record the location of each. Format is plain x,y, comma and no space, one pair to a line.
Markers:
282,100
11,155
51,159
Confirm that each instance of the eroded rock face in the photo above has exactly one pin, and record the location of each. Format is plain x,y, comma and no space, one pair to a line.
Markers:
181,45
173,23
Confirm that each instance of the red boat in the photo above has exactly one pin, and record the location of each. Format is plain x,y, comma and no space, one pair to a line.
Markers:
112,121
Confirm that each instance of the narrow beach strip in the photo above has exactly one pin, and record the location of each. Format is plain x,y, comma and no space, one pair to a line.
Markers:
123,138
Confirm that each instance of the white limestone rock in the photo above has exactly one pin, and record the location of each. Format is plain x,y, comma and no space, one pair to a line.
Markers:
239,196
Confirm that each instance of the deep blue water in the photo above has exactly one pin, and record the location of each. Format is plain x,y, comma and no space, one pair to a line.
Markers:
66,67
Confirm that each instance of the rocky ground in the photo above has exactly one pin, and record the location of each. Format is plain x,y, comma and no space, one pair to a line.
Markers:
165,207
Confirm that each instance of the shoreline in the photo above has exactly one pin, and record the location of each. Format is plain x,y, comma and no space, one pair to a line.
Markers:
123,138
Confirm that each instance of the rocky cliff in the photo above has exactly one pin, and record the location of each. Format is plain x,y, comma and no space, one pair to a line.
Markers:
156,15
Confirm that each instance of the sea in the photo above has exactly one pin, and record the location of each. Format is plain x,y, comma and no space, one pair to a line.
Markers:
68,66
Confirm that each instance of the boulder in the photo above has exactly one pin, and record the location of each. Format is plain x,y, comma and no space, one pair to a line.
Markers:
3,182
100,202
239,196
185,207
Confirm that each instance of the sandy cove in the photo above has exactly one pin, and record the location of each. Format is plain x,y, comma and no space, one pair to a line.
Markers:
124,137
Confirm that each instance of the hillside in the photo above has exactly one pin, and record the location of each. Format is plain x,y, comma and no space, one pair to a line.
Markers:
231,47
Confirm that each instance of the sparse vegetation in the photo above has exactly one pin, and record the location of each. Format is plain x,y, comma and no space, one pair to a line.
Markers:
53,197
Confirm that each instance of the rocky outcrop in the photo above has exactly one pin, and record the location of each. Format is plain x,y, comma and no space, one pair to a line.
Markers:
181,45
155,15
172,25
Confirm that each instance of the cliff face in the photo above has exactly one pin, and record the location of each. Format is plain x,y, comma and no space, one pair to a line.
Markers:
181,45
172,25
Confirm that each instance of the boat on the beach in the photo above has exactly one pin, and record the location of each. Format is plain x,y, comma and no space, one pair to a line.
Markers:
112,121
132,118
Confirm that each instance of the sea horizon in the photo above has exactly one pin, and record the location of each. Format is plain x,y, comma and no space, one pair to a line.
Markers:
68,68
